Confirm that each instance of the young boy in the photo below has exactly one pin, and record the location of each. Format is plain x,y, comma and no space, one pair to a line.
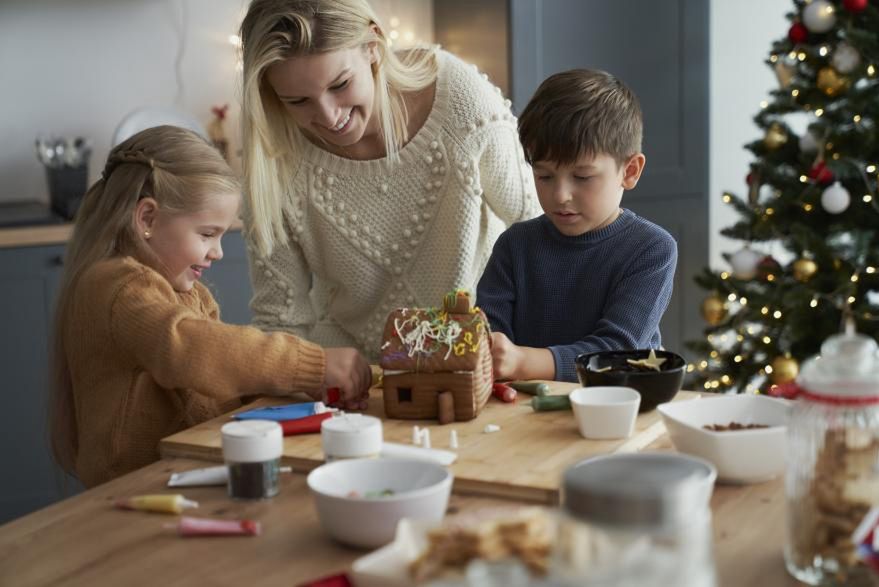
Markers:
586,275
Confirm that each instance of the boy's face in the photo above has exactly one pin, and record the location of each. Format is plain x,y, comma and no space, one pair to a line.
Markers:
585,195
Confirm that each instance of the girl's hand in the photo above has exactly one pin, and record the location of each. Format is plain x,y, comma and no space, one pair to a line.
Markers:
347,370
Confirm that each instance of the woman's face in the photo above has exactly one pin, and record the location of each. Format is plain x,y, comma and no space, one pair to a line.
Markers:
329,95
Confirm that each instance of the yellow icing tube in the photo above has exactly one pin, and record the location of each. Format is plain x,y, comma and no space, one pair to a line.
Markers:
167,504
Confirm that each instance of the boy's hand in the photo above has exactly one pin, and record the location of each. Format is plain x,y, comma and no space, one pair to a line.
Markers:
506,357
347,370
512,361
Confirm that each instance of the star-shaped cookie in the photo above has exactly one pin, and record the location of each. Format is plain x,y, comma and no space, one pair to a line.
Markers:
651,362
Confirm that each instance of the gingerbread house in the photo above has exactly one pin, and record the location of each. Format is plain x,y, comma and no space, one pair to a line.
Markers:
436,362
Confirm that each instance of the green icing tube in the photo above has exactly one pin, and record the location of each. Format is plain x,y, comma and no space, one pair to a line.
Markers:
532,387
545,403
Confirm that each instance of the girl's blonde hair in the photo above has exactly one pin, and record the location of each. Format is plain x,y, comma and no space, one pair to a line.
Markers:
276,30
174,166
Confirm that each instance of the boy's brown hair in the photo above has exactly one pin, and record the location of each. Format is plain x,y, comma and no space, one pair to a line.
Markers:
581,112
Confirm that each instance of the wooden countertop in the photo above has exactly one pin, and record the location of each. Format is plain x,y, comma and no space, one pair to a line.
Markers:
49,234
85,541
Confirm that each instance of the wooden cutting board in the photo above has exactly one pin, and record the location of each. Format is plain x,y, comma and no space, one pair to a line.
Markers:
523,460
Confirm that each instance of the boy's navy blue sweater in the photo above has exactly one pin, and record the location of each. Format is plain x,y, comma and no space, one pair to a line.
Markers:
603,290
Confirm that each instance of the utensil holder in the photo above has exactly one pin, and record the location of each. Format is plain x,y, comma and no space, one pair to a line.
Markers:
67,186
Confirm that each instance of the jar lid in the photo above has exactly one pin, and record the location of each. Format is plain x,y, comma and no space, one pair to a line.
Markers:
252,441
648,490
351,435
848,366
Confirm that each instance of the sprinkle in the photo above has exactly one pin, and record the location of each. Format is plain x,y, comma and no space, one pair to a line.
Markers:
453,439
491,428
425,438
416,434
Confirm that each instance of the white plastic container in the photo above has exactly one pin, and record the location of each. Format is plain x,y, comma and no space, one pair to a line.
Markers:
252,451
351,436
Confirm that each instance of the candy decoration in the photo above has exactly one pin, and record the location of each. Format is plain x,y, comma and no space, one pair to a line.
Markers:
819,16
835,199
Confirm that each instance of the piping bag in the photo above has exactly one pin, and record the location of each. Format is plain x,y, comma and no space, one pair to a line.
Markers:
163,503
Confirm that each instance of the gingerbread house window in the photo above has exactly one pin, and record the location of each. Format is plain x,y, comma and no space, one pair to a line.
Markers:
404,394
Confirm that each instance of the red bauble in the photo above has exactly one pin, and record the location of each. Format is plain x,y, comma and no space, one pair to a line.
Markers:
768,266
854,5
821,173
798,33
749,178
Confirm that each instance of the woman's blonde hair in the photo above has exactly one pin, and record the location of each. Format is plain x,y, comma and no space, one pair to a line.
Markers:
174,166
276,30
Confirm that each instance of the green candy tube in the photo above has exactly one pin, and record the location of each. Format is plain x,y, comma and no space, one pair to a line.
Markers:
546,403
532,387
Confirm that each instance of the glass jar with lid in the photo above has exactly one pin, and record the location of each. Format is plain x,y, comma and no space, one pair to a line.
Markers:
636,519
832,481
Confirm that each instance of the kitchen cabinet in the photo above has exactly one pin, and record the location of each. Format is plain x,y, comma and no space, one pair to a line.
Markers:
29,279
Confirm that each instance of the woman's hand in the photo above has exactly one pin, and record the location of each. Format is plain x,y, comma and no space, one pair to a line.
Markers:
511,361
349,372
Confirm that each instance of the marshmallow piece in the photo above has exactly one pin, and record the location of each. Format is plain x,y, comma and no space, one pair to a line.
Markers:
453,439
491,428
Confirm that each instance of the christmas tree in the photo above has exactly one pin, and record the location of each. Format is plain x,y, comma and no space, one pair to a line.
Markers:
811,192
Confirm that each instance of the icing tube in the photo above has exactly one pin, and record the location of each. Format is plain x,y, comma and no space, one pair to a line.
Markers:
166,504
207,476
188,526
545,403
308,425
503,392
284,412
333,396
532,387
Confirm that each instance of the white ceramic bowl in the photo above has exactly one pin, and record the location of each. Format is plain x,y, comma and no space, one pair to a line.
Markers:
605,412
741,456
420,491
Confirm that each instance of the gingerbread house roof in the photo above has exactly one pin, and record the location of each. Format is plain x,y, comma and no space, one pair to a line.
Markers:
433,340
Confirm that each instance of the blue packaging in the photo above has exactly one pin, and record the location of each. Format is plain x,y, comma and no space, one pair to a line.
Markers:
284,412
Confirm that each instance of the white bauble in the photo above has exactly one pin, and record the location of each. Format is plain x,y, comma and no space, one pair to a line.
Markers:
819,16
766,192
835,198
744,263
808,143
845,58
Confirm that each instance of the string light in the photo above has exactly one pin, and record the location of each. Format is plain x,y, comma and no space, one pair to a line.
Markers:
777,314
764,104
807,207
871,71
725,379
819,112
707,385
713,354
737,358
814,302
764,310
743,301
727,198
731,297
868,198
690,368
770,277
768,369
770,211
855,278
724,275
766,340
804,179
794,93
871,168
792,54
703,364
870,269
823,50
773,58
851,299
740,338
801,56
856,118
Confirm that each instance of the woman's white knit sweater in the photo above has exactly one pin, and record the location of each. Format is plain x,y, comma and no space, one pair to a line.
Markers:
366,237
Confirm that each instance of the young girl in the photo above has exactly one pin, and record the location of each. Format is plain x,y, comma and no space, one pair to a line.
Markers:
140,352
374,180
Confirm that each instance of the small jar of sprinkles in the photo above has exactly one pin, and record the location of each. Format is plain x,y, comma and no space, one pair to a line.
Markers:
252,451
351,436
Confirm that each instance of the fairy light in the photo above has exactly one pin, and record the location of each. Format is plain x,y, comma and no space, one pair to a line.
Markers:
773,58
764,104
713,354
835,156
768,369
808,207
856,118
743,301
794,93
707,385
871,168
715,384
724,275
870,269
855,278
727,198
711,338
804,179
868,198
851,299
801,56
703,364
737,358
770,277
819,112
823,51
764,310
871,71
731,297
751,330
814,302
770,211
777,314
792,54
726,379
690,368
766,340
740,338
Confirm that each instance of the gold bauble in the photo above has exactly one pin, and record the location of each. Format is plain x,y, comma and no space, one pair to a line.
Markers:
775,137
784,369
830,82
804,269
714,310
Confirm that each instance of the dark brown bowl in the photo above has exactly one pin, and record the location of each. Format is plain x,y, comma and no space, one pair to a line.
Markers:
655,387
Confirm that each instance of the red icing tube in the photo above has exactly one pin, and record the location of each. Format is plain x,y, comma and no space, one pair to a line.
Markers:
333,396
188,526
307,425
503,392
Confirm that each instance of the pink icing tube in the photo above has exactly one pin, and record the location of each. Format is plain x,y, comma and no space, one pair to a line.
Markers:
188,526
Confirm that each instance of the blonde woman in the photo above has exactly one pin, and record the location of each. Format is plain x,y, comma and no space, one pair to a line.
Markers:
140,352
373,180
